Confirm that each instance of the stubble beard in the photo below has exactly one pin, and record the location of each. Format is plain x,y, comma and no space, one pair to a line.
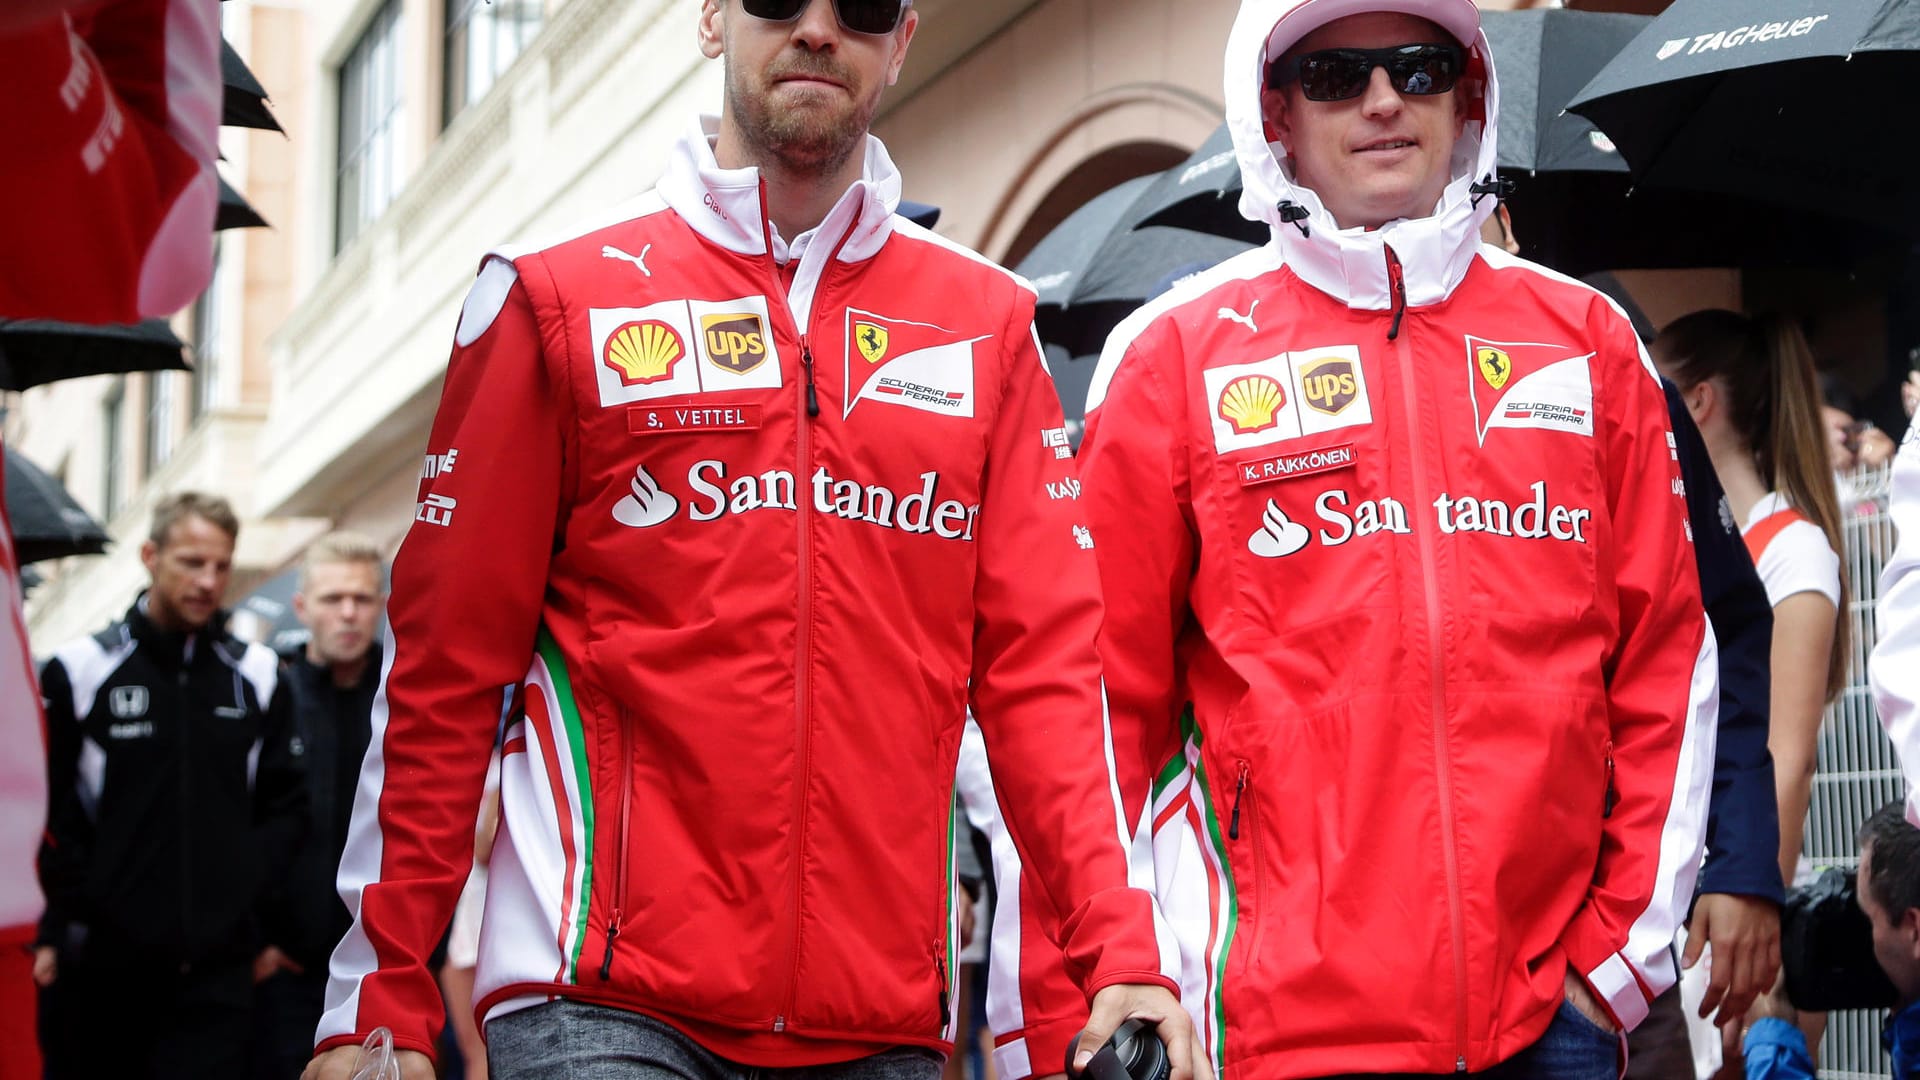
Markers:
803,141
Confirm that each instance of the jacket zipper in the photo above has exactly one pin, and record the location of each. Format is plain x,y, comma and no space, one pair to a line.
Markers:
940,968
620,853
1613,795
1239,788
1403,355
1398,283
803,636
186,805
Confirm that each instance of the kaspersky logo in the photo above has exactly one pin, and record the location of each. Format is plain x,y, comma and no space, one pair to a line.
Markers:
643,352
1252,403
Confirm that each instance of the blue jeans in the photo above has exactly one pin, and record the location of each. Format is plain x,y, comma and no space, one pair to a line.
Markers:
579,1041
1572,1048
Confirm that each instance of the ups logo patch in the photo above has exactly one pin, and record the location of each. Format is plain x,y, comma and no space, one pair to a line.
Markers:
1329,385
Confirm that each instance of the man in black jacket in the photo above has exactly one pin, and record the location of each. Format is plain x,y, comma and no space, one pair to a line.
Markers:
331,681
176,795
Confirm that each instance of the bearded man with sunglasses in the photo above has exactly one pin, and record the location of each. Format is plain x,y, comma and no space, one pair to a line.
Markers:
1402,616
745,488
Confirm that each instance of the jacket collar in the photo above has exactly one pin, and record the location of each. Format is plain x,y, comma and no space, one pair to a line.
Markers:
174,644
1350,265
724,205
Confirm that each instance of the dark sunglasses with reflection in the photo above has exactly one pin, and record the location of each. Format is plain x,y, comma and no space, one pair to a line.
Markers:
1340,74
856,16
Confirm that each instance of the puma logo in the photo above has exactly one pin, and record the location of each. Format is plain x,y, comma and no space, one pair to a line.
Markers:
1231,315
640,260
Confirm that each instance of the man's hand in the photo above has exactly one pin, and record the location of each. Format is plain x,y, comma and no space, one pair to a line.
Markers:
1582,999
965,902
271,962
1745,934
337,1064
1115,1005
46,965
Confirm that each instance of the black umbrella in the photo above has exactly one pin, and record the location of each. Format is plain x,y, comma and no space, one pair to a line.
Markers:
1801,105
1575,206
35,351
47,523
243,101
235,211
1057,262
1544,56
266,614
1201,193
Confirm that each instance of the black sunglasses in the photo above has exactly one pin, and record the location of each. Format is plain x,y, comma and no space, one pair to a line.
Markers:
856,16
1339,74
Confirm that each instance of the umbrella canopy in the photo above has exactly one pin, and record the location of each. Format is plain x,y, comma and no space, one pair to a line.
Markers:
1544,56
35,351
1058,261
47,523
235,211
1201,193
1789,102
243,101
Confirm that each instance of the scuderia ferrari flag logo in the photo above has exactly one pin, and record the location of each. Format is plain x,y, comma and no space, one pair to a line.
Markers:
901,362
1530,384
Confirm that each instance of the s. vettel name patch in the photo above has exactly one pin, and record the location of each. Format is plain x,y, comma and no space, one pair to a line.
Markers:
719,416
1305,463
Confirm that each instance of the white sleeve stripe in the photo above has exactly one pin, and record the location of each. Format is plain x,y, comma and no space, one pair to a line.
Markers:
354,959
1614,981
1682,835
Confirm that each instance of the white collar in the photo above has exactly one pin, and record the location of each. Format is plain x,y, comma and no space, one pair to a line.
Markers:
724,205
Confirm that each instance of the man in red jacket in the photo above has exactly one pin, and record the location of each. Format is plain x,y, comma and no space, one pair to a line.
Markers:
747,487
1411,687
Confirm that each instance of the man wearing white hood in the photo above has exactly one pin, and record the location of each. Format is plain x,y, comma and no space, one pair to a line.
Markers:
1411,689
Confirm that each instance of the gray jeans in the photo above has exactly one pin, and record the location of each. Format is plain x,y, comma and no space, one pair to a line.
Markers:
579,1041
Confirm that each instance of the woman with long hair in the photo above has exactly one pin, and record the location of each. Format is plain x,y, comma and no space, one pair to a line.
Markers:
1750,385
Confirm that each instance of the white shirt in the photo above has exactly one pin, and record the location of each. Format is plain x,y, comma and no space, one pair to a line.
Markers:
1798,559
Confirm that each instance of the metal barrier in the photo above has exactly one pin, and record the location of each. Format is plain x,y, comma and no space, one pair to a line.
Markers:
1855,770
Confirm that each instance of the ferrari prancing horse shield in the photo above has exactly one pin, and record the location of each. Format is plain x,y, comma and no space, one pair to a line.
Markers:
871,339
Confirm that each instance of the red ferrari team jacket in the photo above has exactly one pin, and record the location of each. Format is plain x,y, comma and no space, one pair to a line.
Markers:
750,525
1411,685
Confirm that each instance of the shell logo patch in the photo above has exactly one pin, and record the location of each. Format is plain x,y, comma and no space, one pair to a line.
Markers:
643,352
1251,403
1495,365
871,339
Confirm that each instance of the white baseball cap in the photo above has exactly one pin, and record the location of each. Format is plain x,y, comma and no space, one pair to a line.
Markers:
1457,17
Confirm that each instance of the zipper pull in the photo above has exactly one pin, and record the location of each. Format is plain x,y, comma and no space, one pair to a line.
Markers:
1613,797
613,932
1399,286
946,1009
1239,786
806,361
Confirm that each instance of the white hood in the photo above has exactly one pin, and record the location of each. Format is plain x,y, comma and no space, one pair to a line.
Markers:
1434,251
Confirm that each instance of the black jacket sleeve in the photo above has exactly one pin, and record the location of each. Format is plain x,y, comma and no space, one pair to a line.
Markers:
279,792
65,847
1743,820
